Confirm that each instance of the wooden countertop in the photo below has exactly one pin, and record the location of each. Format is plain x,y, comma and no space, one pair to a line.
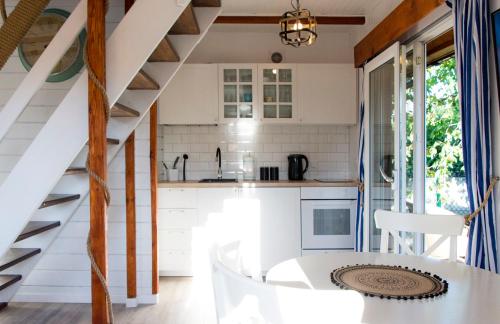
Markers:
257,184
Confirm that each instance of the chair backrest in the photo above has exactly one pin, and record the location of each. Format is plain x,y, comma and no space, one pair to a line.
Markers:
239,299
448,226
234,248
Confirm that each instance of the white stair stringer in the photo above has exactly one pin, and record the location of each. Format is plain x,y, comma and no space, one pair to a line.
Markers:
37,75
41,168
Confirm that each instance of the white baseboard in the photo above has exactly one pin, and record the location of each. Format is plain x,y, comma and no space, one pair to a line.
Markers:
149,299
131,302
61,298
72,296
179,273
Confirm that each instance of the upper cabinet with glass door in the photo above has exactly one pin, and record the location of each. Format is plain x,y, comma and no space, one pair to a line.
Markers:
238,87
277,93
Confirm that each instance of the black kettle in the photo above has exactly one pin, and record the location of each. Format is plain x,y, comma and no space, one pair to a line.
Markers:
296,170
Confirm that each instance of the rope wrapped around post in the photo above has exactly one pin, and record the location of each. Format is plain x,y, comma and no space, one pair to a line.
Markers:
102,183
17,24
107,195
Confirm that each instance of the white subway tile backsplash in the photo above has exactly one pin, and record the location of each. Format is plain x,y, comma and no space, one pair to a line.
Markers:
327,148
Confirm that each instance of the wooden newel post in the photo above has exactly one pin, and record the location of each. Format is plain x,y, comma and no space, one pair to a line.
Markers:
131,218
153,155
96,51
130,210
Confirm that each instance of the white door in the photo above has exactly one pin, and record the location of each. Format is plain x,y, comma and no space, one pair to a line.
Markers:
382,141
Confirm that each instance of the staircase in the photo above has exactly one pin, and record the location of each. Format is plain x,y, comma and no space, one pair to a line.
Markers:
49,182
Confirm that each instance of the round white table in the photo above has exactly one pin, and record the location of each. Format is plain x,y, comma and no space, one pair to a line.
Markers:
473,295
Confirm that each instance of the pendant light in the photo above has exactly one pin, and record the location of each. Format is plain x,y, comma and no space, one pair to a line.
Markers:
298,27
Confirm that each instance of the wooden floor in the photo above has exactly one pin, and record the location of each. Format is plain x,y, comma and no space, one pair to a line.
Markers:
179,304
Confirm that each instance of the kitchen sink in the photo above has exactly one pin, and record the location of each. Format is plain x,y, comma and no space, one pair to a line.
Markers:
217,180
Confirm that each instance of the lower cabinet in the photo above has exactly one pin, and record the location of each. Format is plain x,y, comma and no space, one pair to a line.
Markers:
177,217
274,215
278,213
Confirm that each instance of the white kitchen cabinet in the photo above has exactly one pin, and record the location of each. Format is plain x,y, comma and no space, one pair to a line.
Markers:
213,201
327,93
278,93
237,92
177,198
177,220
278,215
192,97
266,220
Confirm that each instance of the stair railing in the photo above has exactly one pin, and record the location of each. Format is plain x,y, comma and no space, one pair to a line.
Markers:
41,70
64,135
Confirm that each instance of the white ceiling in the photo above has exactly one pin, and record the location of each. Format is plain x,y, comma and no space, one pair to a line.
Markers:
317,7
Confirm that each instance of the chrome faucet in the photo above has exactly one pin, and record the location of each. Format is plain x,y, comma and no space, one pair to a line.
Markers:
218,156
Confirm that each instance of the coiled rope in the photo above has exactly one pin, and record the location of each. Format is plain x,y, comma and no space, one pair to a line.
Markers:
13,30
471,216
17,24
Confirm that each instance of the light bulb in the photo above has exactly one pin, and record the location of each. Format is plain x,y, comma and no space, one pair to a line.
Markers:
298,26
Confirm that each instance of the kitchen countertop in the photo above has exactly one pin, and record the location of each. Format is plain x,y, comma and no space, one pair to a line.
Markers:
257,184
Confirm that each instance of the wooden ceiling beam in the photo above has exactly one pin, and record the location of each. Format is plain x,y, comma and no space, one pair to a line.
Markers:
322,20
441,47
393,27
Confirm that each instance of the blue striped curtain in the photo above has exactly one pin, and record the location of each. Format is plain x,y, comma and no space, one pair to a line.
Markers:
361,170
472,43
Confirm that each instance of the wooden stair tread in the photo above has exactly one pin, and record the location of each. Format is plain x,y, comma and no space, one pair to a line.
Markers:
17,255
37,227
56,199
75,170
164,52
142,81
120,110
8,280
206,3
186,24
113,141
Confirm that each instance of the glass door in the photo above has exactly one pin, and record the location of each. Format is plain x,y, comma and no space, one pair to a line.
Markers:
238,92
382,93
277,86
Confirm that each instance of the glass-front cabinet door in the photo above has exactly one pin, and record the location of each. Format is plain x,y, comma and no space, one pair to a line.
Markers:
238,92
277,93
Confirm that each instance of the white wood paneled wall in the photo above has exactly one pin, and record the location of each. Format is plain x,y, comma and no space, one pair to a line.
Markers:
62,274
47,98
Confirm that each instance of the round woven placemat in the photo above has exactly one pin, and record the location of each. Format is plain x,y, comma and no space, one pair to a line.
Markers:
391,282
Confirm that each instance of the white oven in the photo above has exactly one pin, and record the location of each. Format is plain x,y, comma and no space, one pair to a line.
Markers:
328,219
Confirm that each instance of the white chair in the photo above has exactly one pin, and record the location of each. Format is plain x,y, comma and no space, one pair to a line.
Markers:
448,226
241,300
